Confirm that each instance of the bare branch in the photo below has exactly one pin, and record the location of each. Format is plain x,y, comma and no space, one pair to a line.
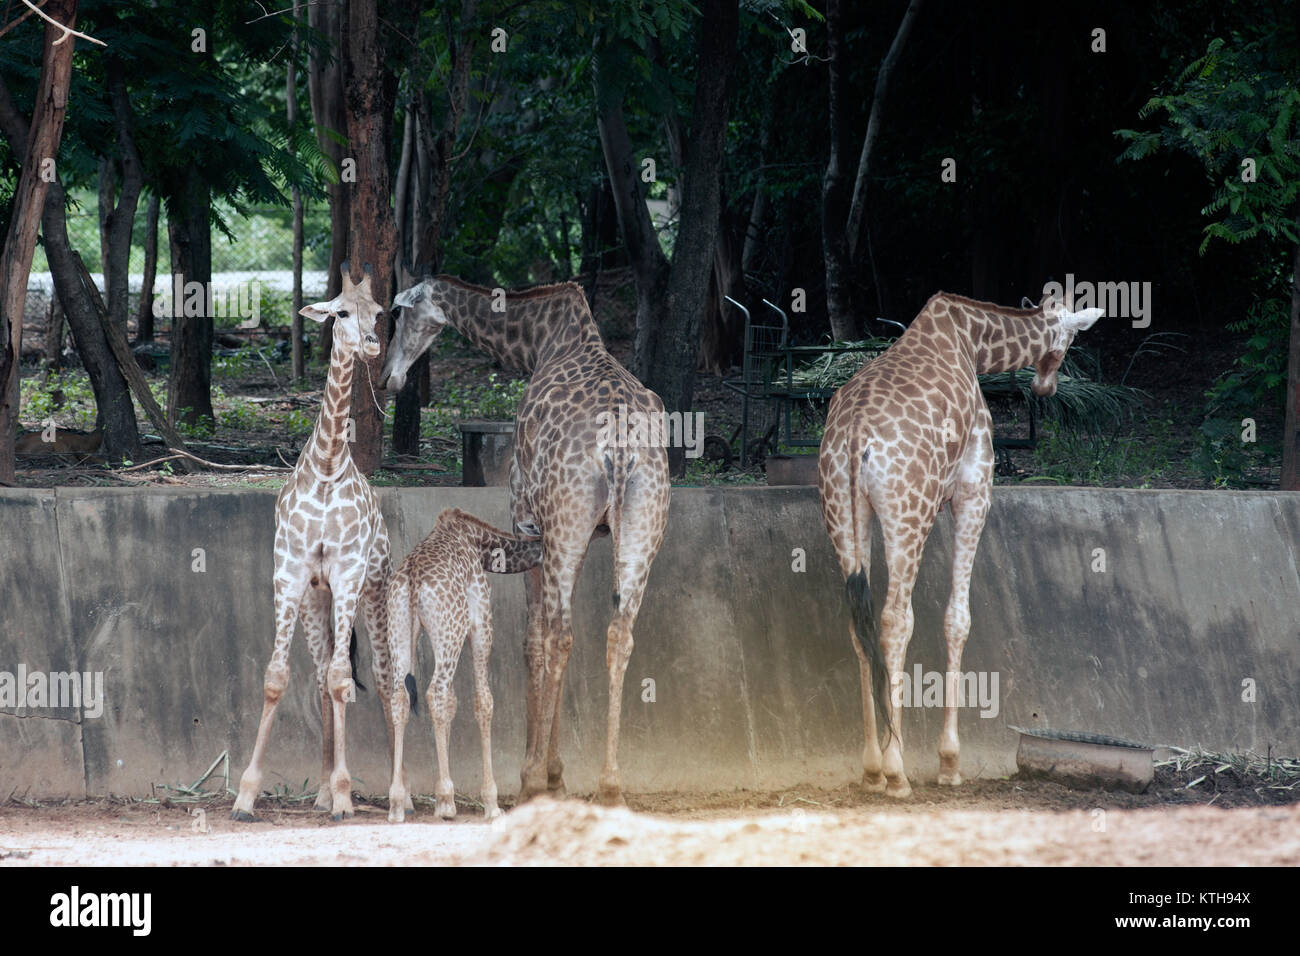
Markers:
10,26
67,31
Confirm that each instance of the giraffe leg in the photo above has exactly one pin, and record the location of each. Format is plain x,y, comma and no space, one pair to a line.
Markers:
535,657
388,681
441,695
903,546
288,595
850,534
480,638
559,574
315,616
342,689
554,764
401,633
970,507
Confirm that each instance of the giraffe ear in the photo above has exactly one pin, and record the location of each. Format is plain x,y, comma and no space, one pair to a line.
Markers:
410,297
318,312
1078,321
345,273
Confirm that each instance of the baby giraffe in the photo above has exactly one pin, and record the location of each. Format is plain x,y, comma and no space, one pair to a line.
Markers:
442,586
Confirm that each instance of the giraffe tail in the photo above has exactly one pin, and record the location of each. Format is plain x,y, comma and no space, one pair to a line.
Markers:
352,657
617,464
411,692
858,590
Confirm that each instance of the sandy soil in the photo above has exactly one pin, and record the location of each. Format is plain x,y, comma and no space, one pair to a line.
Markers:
996,823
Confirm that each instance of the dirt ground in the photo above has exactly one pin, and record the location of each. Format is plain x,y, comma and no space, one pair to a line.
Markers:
984,823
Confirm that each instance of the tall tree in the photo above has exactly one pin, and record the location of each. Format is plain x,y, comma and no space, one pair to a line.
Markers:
371,93
41,148
844,212
671,296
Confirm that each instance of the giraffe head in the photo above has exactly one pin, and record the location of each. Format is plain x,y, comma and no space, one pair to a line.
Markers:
418,325
1062,326
354,311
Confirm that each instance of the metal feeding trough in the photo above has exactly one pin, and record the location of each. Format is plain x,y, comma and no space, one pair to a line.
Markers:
1090,760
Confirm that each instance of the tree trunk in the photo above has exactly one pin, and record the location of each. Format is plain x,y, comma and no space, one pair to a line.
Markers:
835,191
297,359
325,88
107,182
41,142
649,264
672,365
54,336
858,206
371,94
189,380
121,219
144,318
1291,426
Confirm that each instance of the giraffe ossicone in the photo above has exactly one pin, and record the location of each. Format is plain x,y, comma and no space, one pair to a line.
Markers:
331,560
909,432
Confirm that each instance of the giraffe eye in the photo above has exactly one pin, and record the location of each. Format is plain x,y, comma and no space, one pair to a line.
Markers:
343,313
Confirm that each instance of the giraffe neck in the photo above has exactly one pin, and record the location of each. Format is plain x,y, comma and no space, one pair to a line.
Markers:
328,449
533,328
1005,339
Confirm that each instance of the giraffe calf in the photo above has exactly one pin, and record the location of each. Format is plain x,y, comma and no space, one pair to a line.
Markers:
442,586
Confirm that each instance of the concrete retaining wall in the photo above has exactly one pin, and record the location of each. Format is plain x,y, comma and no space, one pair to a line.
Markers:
1191,635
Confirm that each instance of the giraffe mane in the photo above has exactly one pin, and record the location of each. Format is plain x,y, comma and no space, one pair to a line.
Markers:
993,306
528,292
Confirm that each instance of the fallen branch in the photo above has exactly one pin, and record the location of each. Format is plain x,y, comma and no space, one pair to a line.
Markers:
177,452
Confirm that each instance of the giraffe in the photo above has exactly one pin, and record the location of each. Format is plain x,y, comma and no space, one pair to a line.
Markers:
331,552
442,586
908,432
573,477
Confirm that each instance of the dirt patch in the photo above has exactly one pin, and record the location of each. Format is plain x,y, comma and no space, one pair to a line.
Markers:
983,822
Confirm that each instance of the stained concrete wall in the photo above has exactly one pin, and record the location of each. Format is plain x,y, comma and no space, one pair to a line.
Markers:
1190,635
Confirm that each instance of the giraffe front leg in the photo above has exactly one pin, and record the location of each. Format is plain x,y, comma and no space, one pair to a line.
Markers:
533,783
315,616
288,594
480,639
342,689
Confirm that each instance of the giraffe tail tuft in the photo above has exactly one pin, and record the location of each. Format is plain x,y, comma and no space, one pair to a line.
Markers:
352,656
858,590
409,684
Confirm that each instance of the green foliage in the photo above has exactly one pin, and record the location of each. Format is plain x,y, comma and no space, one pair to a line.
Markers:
1066,456
65,399
1237,105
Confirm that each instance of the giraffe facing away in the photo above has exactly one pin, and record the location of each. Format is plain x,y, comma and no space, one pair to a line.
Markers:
331,555
571,478
908,432
442,586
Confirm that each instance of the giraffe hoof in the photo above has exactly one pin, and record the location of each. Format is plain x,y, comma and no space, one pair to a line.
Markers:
340,817
397,815
950,779
242,816
447,809
611,797
491,813
557,789
899,789
873,782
